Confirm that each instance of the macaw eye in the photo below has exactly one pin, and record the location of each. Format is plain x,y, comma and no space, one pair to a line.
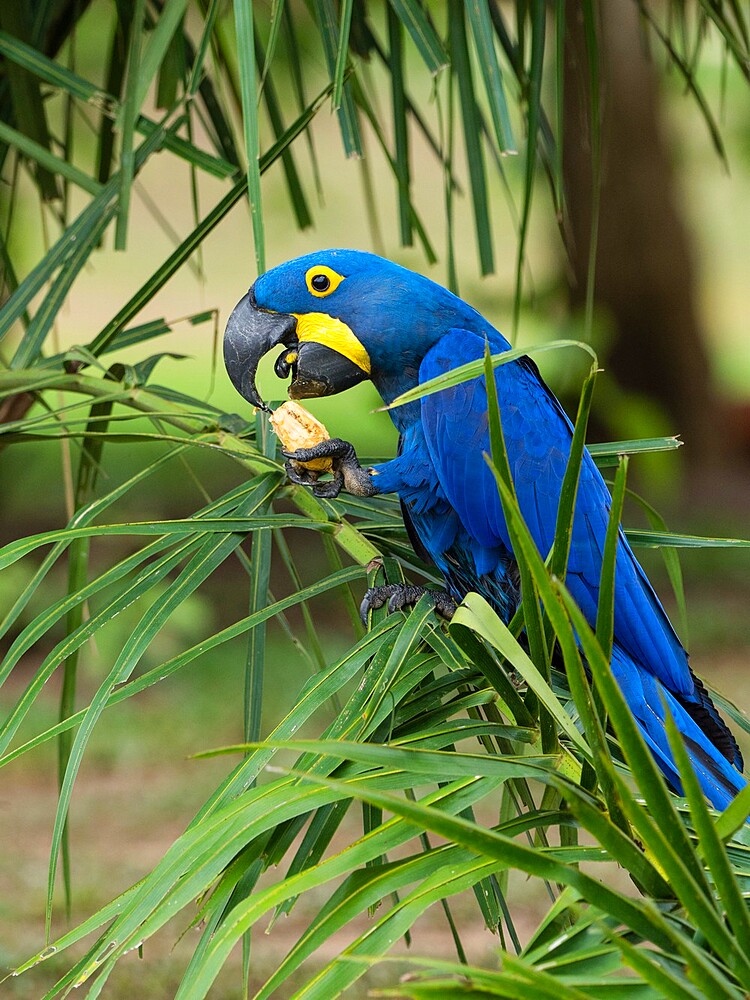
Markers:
322,280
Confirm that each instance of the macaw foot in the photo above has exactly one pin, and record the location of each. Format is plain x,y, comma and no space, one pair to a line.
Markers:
401,595
348,474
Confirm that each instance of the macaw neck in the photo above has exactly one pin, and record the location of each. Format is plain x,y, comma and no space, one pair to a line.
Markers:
391,384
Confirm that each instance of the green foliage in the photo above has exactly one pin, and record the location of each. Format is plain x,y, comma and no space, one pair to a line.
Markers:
433,724
424,696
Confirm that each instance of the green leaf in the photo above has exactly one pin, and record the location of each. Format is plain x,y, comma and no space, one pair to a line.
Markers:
159,41
533,81
185,526
171,666
342,52
476,614
569,489
211,553
463,373
672,563
260,572
347,112
510,702
273,106
36,333
447,764
666,838
478,14
735,815
461,65
655,539
539,647
67,244
78,571
154,574
607,455
48,160
361,890
712,848
27,107
417,22
35,61
128,116
243,18
62,78
605,612
529,556
82,518
400,130
102,341
415,220
659,975
492,844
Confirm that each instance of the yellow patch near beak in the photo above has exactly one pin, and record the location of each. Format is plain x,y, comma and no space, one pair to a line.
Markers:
330,332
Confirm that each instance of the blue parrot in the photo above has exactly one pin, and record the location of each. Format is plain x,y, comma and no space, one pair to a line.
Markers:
342,316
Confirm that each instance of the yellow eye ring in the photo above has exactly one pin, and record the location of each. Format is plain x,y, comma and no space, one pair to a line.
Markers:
322,280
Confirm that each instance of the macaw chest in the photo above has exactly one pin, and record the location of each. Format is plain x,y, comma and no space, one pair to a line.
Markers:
437,533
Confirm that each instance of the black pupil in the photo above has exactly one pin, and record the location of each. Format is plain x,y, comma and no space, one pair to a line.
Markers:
321,282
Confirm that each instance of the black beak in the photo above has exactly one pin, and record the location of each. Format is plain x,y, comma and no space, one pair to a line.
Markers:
321,371
316,370
250,334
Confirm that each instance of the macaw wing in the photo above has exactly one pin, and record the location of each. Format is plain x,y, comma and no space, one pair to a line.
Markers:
537,437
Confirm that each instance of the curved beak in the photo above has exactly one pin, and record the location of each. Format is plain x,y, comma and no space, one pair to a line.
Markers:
321,371
316,369
250,334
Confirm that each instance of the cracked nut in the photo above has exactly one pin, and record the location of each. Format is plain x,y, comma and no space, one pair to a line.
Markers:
297,428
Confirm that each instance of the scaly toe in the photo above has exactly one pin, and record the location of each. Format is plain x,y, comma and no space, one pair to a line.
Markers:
400,596
405,596
375,598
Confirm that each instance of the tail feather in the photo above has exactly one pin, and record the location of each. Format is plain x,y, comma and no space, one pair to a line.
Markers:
648,700
705,713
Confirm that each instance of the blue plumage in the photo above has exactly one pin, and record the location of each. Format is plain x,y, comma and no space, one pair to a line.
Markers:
413,330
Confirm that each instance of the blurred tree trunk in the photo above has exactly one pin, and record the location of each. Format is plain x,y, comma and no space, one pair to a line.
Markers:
645,275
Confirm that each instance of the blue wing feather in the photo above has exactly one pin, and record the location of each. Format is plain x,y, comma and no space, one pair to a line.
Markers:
648,659
538,437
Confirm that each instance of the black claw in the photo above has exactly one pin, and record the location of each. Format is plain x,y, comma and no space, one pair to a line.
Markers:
331,448
444,604
329,490
303,454
348,474
375,598
300,475
402,595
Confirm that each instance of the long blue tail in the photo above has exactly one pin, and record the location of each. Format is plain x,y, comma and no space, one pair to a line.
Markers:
647,698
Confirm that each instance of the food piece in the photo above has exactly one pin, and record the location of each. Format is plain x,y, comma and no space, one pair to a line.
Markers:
297,428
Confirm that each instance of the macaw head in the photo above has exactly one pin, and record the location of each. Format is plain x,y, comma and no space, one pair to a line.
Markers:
340,316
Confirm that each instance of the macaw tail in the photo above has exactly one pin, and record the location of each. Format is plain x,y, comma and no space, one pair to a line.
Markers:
710,746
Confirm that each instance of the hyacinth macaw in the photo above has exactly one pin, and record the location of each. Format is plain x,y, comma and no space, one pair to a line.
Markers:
342,316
